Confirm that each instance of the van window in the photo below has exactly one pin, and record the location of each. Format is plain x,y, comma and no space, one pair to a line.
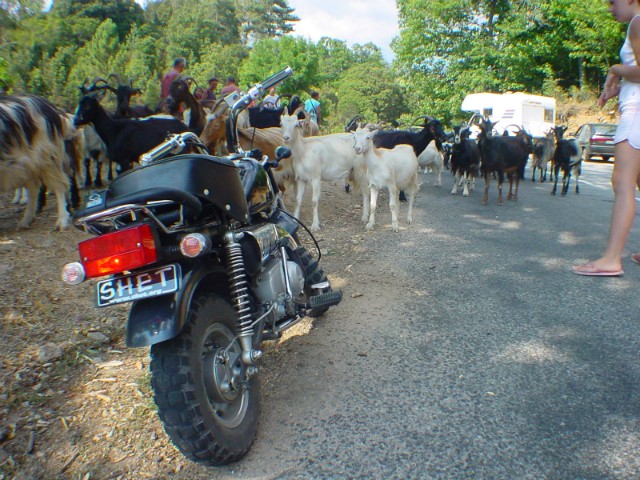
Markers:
548,115
487,112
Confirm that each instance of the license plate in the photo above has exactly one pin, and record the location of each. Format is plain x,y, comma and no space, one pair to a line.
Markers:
138,286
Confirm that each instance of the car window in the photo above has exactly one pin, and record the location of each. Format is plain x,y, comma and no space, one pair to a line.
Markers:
605,129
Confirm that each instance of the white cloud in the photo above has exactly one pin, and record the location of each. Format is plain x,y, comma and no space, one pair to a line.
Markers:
351,21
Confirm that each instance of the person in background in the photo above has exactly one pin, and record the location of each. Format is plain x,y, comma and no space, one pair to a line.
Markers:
312,106
229,87
209,93
623,81
179,64
271,100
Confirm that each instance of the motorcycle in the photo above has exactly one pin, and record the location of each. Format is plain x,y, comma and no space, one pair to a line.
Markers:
212,264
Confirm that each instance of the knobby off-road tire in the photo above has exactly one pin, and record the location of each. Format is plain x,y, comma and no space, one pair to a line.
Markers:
313,274
207,424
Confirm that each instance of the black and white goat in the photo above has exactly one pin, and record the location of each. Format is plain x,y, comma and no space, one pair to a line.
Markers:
431,129
125,139
502,155
32,152
181,99
567,157
465,159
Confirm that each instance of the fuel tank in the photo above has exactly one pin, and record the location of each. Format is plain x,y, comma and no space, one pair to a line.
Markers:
257,186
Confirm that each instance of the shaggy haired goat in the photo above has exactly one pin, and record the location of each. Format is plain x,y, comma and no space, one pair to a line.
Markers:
32,151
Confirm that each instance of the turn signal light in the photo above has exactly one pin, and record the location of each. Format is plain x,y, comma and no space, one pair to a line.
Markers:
194,245
73,273
118,251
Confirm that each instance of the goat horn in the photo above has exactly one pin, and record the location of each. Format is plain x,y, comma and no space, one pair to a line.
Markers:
190,81
94,86
117,77
99,79
217,107
426,119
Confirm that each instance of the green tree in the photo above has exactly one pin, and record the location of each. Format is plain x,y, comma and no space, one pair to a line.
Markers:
96,56
369,89
264,19
271,55
448,48
124,13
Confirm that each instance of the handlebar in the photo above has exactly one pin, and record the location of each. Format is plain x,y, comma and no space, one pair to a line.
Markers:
174,144
276,78
254,93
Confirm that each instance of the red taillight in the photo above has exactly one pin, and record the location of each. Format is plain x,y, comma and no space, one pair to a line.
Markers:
118,251
599,139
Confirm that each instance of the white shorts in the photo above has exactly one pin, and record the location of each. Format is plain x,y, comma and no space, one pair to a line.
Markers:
629,126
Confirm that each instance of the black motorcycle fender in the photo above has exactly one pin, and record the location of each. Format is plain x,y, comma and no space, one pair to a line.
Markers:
160,319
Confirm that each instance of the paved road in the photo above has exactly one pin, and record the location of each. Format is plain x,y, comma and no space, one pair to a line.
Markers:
492,361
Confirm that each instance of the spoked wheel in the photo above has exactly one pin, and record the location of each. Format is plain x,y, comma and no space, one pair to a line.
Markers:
314,275
208,407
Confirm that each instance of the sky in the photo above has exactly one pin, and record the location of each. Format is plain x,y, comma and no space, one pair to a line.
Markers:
353,21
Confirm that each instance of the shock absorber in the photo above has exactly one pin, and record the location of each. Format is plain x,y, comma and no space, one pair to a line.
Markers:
240,297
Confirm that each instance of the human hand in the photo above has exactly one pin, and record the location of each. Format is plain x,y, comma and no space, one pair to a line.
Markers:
611,87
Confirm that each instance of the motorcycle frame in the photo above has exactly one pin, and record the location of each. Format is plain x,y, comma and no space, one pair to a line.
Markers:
159,319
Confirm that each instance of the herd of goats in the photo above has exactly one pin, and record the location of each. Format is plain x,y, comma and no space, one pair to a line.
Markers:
41,147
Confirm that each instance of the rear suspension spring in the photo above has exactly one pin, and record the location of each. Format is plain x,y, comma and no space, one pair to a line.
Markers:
238,284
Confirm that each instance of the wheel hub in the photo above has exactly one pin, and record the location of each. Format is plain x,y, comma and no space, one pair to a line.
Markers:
222,379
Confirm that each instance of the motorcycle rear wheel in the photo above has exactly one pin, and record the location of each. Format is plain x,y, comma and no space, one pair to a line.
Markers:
208,409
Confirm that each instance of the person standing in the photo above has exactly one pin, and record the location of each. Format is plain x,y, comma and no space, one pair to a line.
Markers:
623,81
229,87
271,100
210,92
179,64
312,106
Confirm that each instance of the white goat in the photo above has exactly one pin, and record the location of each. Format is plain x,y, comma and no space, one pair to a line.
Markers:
395,169
432,158
32,133
326,157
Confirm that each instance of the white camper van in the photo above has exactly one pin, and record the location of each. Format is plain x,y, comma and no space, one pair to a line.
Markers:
534,113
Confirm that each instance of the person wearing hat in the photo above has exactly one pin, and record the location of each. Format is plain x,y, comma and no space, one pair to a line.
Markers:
209,93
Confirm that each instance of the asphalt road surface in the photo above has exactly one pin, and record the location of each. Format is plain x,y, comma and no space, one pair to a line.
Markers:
465,348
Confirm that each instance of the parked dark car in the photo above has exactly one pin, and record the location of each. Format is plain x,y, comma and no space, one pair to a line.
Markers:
596,140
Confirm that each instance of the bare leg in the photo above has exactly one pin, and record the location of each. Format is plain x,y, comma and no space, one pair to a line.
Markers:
626,175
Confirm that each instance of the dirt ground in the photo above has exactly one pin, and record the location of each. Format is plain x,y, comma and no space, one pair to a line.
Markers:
75,403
